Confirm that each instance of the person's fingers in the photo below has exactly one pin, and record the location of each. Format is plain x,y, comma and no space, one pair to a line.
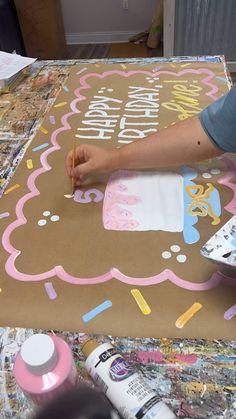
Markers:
69,164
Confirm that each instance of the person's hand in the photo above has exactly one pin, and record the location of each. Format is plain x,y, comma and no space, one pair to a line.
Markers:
90,159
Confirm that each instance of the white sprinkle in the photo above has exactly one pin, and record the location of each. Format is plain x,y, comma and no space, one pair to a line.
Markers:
54,218
42,222
215,171
206,175
181,258
166,255
46,213
110,90
175,248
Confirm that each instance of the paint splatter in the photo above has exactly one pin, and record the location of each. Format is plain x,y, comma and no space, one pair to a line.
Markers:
29,164
50,290
46,213
97,310
4,215
52,119
60,105
12,188
230,313
140,300
40,147
43,130
187,315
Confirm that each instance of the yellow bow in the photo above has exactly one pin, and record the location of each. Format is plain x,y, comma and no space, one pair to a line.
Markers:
197,205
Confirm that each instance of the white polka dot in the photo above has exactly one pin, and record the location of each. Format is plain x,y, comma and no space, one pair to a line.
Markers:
42,222
215,171
181,258
206,175
156,78
151,81
202,167
46,213
175,248
166,255
110,90
100,91
55,218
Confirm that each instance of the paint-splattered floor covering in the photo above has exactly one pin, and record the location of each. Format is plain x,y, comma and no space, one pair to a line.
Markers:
196,378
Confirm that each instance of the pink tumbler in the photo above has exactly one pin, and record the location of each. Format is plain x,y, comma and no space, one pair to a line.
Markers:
43,367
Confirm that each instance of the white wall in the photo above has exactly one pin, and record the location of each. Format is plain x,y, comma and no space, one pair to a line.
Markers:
105,20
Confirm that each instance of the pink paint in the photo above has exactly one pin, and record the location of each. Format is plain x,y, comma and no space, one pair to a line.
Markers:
185,359
58,270
114,216
152,356
44,367
225,180
84,197
230,313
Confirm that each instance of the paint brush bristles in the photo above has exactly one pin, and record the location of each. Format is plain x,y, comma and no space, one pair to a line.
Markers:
73,162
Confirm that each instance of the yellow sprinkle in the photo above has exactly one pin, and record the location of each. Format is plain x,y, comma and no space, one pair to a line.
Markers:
42,129
69,195
97,65
123,66
143,305
59,105
29,164
185,65
185,317
12,188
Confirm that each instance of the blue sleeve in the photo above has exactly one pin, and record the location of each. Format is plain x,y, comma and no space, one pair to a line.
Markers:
219,121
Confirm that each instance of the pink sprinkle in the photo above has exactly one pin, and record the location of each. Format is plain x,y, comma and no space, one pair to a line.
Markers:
52,119
4,215
230,313
50,290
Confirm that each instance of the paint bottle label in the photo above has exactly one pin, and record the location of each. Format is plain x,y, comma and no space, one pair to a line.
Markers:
125,388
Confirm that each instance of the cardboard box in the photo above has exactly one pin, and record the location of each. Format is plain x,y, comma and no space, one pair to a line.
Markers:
42,28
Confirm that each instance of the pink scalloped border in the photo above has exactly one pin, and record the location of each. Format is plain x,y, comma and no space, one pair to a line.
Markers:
225,180
59,271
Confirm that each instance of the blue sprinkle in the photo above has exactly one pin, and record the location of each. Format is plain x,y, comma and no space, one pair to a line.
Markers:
66,88
97,310
39,147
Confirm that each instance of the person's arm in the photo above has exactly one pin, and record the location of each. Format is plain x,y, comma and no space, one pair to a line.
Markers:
182,143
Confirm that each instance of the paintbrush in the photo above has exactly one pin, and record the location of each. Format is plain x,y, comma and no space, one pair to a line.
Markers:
73,162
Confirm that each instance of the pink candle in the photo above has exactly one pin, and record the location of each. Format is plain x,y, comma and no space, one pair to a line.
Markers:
43,367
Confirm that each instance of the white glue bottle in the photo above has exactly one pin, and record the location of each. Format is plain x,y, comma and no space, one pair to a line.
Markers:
123,386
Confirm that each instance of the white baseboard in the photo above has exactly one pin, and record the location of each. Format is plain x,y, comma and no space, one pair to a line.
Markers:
100,37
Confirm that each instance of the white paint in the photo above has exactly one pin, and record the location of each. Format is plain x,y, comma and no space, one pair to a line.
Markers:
166,255
175,248
46,213
215,171
181,258
206,175
55,218
42,222
160,205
